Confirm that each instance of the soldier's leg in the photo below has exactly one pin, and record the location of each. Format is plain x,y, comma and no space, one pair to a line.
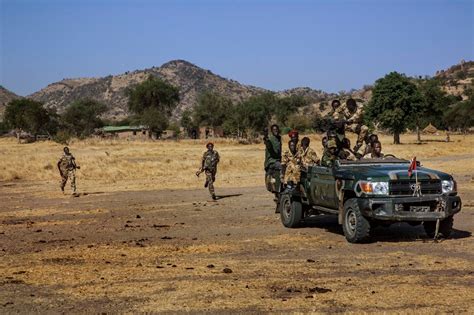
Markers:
72,178
361,131
63,181
364,130
210,182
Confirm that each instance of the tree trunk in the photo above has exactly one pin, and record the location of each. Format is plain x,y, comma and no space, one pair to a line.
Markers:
418,135
396,138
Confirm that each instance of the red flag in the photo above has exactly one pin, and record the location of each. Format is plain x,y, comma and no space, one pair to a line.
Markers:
412,166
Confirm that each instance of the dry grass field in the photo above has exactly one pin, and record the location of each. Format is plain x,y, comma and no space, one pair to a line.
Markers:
111,165
143,237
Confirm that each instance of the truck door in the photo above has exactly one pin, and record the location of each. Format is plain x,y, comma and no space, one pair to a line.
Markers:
323,187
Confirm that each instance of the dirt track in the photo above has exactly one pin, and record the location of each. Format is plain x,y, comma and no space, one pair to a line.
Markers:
167,251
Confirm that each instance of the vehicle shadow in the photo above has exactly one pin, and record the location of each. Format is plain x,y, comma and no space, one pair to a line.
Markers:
397,232
219,197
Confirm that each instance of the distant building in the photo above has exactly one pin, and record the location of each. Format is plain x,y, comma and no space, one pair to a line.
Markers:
210,132
126,132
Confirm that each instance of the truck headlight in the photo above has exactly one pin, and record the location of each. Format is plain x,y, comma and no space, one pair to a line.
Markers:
374,188
448,186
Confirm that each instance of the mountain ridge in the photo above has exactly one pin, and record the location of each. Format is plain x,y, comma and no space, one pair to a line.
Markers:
193,80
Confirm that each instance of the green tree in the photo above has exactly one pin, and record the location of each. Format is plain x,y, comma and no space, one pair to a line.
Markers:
212,110
299,122
83,116
28,115
435,103
255,113
153,101
155,119
286,106
155,93
461,115
395,103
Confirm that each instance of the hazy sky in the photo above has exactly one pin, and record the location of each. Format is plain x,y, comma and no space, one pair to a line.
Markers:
328,45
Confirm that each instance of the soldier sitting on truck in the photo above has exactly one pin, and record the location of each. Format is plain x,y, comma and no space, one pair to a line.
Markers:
291,165
308,155
371,139
376,151
324,142
294,136
330,154
344,152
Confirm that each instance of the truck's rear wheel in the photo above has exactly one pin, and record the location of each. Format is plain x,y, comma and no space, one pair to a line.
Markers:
445,227
291,211
355,226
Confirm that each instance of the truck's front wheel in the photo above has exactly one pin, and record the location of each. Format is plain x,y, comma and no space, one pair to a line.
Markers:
445,227
291,211
355,226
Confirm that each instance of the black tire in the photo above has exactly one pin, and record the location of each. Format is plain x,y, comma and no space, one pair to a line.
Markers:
445,227
291,211
355,226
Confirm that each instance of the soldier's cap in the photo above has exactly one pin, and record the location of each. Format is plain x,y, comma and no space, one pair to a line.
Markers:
293,133
331,143
65,148
209,143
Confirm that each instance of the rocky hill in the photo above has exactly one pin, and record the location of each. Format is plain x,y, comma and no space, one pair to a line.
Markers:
193,80
5,97
458,78
110,90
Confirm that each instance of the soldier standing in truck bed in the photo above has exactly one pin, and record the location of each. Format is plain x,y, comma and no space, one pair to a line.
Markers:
272,164
209,162
67,169
354,114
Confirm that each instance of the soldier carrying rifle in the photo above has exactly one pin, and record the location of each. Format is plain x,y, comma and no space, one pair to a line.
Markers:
209,162
67,169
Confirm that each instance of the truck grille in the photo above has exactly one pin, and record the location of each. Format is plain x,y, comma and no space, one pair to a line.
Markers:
405,187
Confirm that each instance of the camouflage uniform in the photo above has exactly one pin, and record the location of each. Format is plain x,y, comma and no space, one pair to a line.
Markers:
346,155
292,165
67,167
308,157
328,159
272,163
357,126
210,159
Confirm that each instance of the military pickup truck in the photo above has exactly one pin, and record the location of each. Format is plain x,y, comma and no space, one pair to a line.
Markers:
371,192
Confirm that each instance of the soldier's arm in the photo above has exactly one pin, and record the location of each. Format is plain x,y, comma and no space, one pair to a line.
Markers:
314,157
284,162
73,160
270,146
357,117
59,166
218,157
203,160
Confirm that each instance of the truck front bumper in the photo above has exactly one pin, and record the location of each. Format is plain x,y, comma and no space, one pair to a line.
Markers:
424,208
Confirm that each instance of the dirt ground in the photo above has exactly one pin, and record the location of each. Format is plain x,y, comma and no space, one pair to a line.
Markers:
143,236
175,251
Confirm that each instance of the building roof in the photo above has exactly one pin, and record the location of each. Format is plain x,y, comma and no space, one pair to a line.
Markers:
430,129
122,128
